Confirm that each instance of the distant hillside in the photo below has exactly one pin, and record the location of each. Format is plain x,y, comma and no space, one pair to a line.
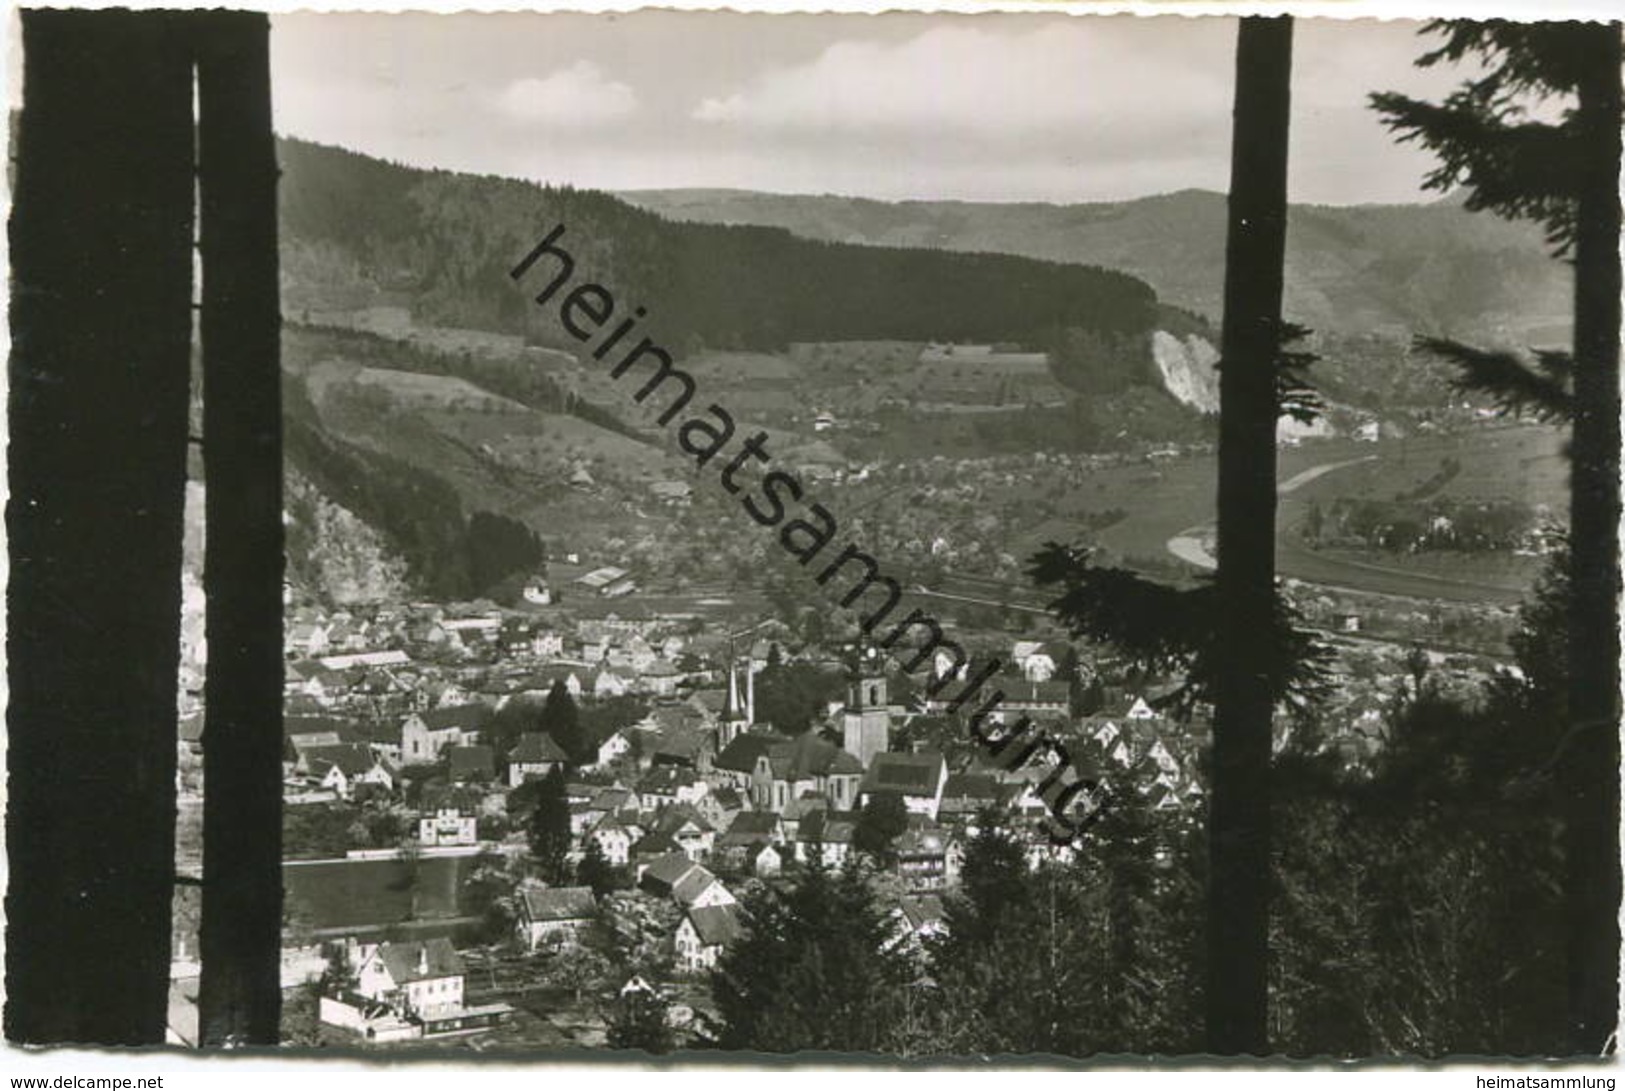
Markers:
1366,269
358,231
407,468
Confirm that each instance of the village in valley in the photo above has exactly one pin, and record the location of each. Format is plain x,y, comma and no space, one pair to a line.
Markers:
559,720
504,825
530,819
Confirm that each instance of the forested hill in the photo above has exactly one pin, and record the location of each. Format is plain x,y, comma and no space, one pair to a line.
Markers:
1431,267
357,230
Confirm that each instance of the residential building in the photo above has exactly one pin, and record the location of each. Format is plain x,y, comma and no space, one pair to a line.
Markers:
554,916
919,778
535,755
425,734
703,934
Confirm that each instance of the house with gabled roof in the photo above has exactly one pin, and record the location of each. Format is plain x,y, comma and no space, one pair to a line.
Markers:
416,977
425,734
1035,698
750,828
302,731
535,755
921,854
666,718
611,681
668,785
660,677
554,916
448,815
700,888
753,841
915,919
681,879
539,683
824,835
654,845
1033,660
693,835
721,805
612,743
306,638
918,778
692,748
703,934
405,991
1140,709
615,838
966,794
342,767
470,764
617,797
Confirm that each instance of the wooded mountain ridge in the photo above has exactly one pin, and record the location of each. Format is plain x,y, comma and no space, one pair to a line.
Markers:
1414,268
358,230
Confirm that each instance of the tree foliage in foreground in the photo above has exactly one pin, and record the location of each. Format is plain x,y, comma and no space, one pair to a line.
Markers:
817,968
1419,910
547,830
1174,630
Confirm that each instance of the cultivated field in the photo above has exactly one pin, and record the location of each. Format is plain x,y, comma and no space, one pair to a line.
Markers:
1498,461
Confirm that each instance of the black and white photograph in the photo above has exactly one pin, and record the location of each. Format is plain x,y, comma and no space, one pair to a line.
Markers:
931,539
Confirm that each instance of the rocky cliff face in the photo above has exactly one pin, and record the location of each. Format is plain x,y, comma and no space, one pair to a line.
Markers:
332,554
1186,367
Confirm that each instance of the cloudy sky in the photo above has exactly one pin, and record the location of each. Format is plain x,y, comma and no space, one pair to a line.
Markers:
986,107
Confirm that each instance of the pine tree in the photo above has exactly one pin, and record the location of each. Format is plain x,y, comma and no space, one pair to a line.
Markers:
595,870
1071,672
1563,175
562,719
816,969
641,1020
1093,698
881,822
1246,598
1012,970
1314,523
548,829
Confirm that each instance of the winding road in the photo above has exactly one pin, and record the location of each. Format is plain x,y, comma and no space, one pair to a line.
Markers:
1295,560
1190,545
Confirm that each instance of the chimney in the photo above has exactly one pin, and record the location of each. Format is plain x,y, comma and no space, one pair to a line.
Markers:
750,691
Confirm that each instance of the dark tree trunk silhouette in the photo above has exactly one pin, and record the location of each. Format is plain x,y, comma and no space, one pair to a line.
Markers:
1243,701
101,237
240,939
1590,777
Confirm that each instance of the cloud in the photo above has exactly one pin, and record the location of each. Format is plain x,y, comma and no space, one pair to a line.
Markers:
969,80
574,97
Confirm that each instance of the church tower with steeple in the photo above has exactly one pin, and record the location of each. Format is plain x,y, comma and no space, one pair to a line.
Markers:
866,724
736,716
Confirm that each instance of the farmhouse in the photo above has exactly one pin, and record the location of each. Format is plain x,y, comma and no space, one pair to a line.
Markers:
554,916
